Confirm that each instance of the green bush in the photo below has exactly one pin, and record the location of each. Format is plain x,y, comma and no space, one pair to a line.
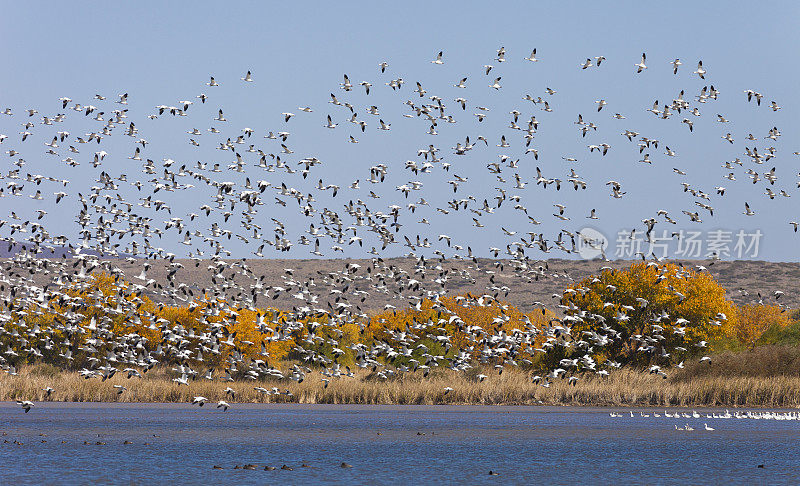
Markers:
789,335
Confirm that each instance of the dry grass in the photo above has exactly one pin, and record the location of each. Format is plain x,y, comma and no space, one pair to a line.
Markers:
761,362
513,387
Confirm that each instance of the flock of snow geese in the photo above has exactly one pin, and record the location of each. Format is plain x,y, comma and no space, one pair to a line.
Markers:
255,189
738,415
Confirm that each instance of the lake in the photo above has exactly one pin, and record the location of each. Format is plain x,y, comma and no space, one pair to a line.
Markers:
181,444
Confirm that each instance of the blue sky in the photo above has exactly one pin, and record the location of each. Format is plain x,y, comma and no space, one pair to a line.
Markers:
161,53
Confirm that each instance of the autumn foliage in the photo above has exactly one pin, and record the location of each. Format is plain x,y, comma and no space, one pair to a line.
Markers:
753,320
461,323
653,311
645,314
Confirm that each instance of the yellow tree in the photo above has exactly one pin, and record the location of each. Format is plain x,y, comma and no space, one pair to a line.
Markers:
461,323
643,313
753,320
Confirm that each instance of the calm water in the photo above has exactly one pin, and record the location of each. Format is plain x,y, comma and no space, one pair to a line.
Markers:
179,444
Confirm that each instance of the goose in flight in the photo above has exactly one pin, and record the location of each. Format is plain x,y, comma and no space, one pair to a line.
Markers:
25,404
438,59
213,82
247,77
694,217
347,85
501,55
677,62
641,65
531,58
750,94
199,400
700,71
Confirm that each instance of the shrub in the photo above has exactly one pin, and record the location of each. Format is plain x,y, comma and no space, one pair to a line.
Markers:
643,313
778,334
754,320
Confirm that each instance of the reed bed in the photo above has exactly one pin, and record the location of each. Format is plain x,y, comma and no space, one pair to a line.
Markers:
512,387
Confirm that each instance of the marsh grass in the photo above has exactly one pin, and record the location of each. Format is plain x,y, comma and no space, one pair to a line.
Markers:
761,362
512,387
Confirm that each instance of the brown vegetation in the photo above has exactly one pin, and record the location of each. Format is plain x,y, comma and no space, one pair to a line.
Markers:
512,387
773,361
680,306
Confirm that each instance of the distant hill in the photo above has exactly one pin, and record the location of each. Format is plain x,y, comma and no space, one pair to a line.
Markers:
746,281
9,250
